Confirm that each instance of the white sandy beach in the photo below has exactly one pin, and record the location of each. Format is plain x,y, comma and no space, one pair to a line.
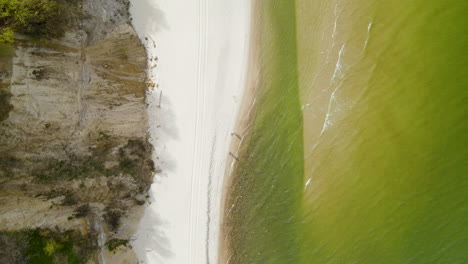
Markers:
202,52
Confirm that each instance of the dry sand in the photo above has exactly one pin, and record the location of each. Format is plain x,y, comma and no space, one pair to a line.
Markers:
198,54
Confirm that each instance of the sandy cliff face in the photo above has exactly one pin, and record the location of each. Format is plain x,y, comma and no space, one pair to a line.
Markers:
73,130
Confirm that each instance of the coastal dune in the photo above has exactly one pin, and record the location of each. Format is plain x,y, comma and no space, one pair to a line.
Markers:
198,55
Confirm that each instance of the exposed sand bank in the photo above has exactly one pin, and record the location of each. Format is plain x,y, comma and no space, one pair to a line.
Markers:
198,54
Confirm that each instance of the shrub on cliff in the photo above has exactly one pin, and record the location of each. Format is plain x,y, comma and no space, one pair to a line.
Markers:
5,106
36,18
43,246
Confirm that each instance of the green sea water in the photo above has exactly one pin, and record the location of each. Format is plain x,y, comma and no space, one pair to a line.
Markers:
358,151
265,201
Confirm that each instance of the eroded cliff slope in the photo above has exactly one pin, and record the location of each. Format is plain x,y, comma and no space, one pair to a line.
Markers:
74,151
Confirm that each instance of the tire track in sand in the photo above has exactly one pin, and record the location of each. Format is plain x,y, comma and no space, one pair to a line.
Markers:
199,129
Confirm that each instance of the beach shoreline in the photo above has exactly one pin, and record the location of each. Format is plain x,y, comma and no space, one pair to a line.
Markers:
244,120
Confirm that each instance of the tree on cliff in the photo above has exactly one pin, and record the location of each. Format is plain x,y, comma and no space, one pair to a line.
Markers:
37,18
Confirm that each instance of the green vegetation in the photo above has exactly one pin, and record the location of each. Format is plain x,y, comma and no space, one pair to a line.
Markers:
77,167
41,246
115,243
133,159
37,18
5,50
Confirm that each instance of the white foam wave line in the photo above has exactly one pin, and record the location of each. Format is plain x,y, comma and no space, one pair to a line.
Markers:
338,65
369,27
327,122
335,24
338,69
308,182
